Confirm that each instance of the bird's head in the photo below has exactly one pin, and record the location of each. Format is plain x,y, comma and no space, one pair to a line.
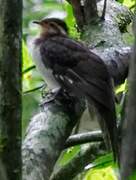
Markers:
52,26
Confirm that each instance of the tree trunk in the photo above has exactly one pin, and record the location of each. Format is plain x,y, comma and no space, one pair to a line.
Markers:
10,87
90,11
128,157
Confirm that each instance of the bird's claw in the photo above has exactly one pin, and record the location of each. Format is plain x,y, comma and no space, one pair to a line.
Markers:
44,91
49,96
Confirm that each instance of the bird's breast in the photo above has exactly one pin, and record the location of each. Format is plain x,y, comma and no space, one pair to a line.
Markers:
44,71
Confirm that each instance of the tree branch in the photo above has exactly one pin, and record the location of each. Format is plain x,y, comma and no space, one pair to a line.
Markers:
105,39
82,138
117,61
46,136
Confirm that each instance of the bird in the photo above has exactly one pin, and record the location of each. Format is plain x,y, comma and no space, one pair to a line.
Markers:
68,64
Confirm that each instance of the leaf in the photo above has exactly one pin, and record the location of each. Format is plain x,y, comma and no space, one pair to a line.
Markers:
70,20
101,174
122,88
103,161
68,155
129,3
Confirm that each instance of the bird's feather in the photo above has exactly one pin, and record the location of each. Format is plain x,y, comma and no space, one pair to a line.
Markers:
84,74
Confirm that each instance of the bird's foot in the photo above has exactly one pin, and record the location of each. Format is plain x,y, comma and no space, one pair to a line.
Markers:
44,91
50,96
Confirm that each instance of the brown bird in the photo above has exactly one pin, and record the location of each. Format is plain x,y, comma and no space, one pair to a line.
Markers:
67,64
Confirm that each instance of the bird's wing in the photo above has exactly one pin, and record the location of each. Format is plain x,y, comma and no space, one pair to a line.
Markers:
84,73
71,59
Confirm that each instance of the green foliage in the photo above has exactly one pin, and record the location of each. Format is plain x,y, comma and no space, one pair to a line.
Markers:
128,38
70,20
122,88
133,176
125,24
31,77
27,60
102,169
130,4
37,10
104,161
121,91
101,174
68,155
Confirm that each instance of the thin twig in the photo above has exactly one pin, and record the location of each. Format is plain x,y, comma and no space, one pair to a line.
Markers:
32,90
29,69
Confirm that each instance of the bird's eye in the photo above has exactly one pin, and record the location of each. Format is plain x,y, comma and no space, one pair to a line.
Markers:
52,25
45,23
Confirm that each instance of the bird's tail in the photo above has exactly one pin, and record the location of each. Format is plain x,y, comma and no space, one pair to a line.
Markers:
99,92
107,121
110,132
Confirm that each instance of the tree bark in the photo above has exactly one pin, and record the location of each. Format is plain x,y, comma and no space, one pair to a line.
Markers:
117,62
105,39
3,175
46,137
10,87
90,11
128,156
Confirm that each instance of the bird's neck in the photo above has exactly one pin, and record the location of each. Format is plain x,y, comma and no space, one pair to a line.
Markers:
38,41
43,37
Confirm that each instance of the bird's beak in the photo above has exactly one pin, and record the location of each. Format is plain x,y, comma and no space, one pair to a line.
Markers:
37,22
